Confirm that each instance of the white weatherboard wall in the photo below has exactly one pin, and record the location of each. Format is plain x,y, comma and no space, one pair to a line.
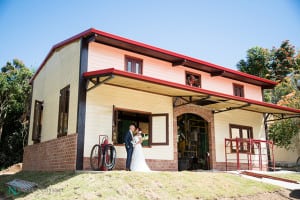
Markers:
60,70
286,156
99,116
238,117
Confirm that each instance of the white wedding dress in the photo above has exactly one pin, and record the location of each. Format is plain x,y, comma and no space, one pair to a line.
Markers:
138,162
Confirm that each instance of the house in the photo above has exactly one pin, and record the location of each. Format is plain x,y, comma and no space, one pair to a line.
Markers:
98,83
287,158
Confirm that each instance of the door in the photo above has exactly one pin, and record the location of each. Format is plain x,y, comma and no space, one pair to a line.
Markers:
193,143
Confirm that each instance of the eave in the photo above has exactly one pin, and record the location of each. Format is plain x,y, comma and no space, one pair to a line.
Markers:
162,54
217,102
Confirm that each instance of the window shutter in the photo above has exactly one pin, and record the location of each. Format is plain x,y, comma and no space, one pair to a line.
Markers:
160,129
115,125
63,113
37,121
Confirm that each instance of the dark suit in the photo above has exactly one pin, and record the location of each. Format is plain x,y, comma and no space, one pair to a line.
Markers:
129,148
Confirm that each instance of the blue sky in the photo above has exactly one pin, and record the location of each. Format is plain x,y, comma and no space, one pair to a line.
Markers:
217,31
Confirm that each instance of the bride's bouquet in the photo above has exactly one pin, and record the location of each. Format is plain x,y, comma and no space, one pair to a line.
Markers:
135,140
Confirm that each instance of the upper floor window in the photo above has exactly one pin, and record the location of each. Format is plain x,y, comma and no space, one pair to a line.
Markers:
37,121
63,114
133,65
193,79
238,90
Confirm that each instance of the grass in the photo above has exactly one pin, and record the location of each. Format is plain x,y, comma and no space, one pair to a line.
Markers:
291,176
134,185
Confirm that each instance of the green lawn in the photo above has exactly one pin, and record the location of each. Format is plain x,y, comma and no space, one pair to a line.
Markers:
291,176
133,185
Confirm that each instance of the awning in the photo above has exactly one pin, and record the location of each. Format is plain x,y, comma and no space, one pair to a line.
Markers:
183,94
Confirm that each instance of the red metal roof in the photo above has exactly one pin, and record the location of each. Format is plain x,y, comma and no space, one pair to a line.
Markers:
145,49
254,105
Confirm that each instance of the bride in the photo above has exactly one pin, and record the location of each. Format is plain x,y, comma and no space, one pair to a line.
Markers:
138,162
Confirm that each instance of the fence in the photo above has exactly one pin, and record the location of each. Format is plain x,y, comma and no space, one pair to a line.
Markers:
249,151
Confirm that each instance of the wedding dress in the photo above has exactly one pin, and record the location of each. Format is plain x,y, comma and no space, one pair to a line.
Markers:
138,162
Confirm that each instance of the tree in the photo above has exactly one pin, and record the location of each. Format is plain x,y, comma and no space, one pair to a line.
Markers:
283,61
297,68
282,89
14,111
256,63
277,64
274,64
285,133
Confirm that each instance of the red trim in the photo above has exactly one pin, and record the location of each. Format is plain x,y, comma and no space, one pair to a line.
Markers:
184,87
58,45
183,57
180,56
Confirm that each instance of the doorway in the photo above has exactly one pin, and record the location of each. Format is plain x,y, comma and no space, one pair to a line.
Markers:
192,143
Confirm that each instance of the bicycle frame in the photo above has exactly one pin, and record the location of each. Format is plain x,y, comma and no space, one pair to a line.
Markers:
103,137
106,154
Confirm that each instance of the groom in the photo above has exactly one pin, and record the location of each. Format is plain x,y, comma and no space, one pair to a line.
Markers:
128,145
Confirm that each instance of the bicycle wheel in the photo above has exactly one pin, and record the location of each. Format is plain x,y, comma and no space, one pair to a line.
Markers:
110,156
96,158
298,164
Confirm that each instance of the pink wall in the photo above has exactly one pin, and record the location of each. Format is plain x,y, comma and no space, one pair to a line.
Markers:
103,56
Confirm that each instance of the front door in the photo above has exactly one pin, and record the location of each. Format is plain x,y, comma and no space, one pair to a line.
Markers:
193,145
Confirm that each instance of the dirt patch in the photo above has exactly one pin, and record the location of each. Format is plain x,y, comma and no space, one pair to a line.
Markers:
278,195
12,169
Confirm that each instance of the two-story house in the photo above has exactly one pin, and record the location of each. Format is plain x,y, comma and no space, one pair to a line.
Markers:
98,83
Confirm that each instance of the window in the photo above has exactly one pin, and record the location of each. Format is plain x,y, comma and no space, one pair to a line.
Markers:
242,132
37,121
238,90
133,65
193,79
160,129
123,118
154,126
63,114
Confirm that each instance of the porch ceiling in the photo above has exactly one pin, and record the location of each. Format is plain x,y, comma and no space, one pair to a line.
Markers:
217,102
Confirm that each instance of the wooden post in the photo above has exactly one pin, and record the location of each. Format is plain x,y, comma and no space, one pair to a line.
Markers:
237,153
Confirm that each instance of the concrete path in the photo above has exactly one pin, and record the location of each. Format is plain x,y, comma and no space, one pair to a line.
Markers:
283,184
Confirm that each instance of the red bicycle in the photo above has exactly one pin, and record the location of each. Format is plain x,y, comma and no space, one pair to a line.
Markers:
103,155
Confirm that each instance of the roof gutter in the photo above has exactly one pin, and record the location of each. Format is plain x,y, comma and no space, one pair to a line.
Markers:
181,58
